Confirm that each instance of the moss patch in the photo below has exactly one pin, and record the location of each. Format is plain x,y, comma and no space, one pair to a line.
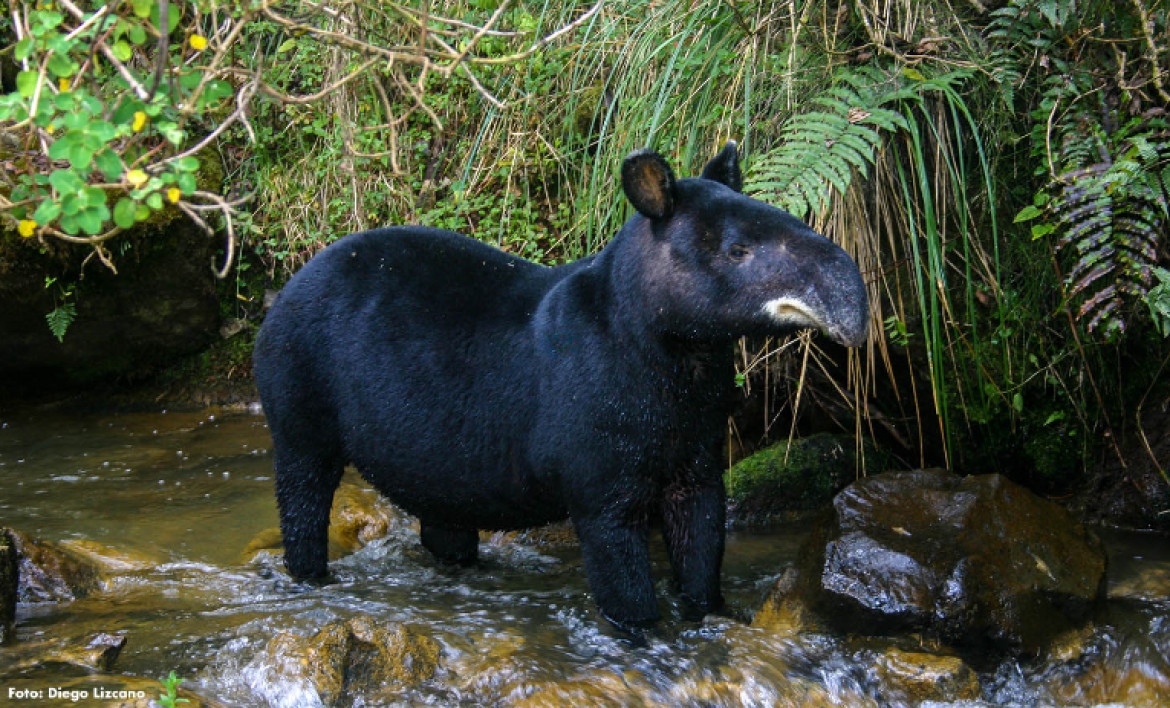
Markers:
796,476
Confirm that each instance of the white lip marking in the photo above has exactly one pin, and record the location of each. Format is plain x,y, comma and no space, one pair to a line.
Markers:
790,311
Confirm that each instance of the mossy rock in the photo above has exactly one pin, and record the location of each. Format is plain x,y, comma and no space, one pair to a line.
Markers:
796,476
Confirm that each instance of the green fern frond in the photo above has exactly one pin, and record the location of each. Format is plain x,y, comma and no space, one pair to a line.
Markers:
1112,213
824,148
60,318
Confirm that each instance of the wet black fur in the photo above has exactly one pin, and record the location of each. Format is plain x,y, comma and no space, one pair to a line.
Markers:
478,390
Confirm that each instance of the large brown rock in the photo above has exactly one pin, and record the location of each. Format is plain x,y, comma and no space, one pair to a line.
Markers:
976,562
51,572
358,657
359,516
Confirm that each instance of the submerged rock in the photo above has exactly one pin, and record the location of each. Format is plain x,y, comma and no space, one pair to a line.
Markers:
96,652
915,677
51,572
553,536
108,560
1150,584
603,690
784,610
977,562
358,657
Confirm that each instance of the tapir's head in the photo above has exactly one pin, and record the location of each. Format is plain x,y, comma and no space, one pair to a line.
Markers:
720,264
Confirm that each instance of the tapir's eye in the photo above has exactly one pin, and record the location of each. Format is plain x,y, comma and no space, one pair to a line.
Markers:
738,252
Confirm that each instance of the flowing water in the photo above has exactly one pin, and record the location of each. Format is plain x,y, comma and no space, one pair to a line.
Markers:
181,494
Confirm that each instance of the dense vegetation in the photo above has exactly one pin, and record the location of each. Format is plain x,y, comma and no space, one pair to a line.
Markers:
999,170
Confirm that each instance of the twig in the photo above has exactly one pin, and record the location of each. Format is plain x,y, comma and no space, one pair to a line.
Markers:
108,53
242,99
1152,51
543,41
1138,420
225,207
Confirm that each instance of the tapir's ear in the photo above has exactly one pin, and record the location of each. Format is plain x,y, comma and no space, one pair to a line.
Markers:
724,167
648,184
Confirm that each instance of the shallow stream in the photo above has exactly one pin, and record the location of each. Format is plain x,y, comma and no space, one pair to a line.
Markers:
181,494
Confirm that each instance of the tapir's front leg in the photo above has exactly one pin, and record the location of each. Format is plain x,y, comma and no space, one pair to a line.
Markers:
693,521
615,550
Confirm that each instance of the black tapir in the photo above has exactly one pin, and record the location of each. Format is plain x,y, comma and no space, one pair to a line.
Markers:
478,390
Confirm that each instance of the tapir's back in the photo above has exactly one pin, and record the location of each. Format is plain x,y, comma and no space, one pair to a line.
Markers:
387,348
440,274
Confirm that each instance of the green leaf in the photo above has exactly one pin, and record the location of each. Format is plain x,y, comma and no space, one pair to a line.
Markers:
102,131
191,79
141,212
187,183
70,205
24,49
77,122
59,150
80,156
122,50
142,8
155,201
136,33
189,163
284,46
62,66
47,212
26,83
65,101
1052,418
109,163
91,220
171,132
1018,402
45,20
94,196
1041,230
124,212
173,15
65,182
1027,214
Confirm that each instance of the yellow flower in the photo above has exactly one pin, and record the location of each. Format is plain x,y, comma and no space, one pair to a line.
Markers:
63,83
173,194
136,177
139,121
27,227
198,42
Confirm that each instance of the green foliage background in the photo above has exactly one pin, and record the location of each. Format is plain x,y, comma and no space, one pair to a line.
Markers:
1000,171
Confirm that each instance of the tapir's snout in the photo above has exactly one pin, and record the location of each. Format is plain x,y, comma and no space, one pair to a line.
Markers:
845,301
831,296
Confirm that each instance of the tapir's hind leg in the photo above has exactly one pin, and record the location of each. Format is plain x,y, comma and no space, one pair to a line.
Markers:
693,526
305,483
